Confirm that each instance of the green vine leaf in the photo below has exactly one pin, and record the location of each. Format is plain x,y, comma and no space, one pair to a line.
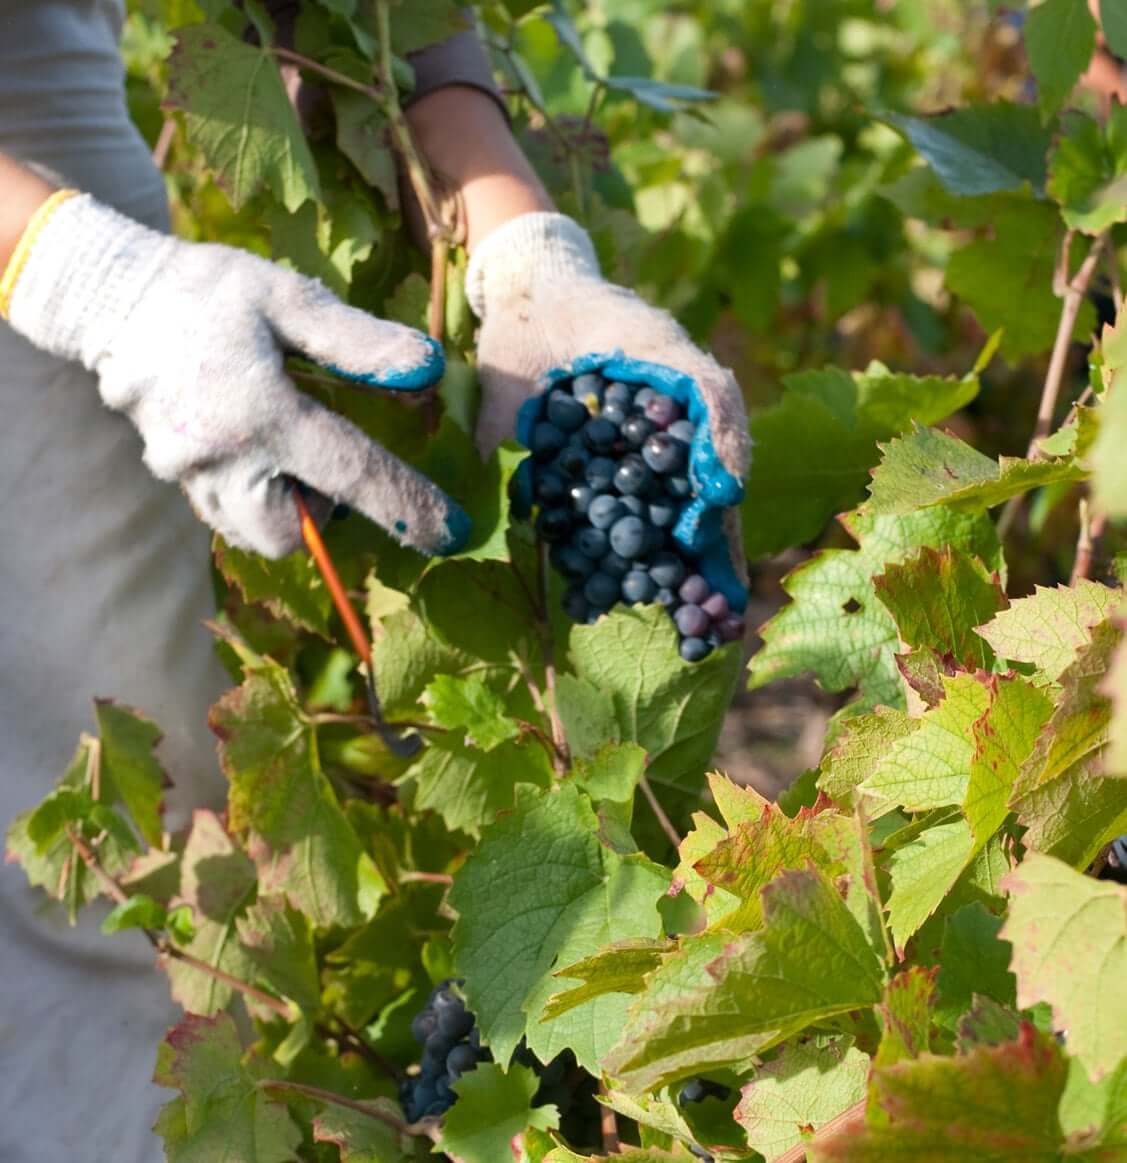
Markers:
1089,171
361,1138
290,588
494,1108
973,960
1060,36
470,704
923,872
128,768
905,1015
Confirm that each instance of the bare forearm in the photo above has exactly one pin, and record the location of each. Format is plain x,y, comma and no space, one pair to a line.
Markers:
22,192
463,135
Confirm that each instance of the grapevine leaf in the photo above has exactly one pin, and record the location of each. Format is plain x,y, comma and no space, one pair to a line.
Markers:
237,112
290,588
494,1108
612,774
361,1138
937,598
221,1111
905,1016
1113,21
1069,937
300,839
660,702
986,1023
279,940
928,467
1096,1112
1115,688
996,1103
814,449
217,882
1089,171
928,768
130,773
715,1004
982,149
1048,628
406,655
972,959
362,136
862,746
800,1090
1060,36
836,627
923,872
470,704
1109,466
541,887
135,912
619,968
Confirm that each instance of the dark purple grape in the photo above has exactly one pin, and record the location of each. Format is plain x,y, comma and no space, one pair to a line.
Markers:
632,476
615,413
604,511
694,589
715,606
566,412
694,649
599,434
423,1024
462,1058
638,586
454,1020
572,461
667,598
635,506
628,537
591,542
580,497
731,629
588,388
601,590
667,570
553,524
663,454
661,411
600,473
550,487
683,430
693,1091
662,513
643,396
546,441
615,565
571,562
678,486
635,429
619,393
692,621
575,604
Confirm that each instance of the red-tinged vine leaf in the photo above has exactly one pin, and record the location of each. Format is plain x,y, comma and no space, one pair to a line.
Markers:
715,1003
1094,1114
1060,37
360,1137
1088,171
279,941
221,1112
237,112
299,837
494,1108
1049,627
217,881
1069,937
905,1015
836,627
798,1092
973,959
986,1023
859,749
923,872
923,671
619,968
937,598
928,767
291,588
470,704
542,887
996,1103
815,447
928,467
127,766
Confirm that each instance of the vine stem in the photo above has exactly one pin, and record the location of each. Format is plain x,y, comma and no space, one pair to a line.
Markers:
663,820
426,877
1072,292
330,74
1091,529
848,1118
351,1104
608,1123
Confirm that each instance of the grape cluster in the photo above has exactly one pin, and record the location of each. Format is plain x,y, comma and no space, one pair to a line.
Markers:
451,1046
611,477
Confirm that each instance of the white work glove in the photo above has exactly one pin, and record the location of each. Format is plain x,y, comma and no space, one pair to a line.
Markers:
188,340
543,303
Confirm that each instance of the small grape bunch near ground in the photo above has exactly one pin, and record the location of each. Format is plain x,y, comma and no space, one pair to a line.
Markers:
451,1046
611,476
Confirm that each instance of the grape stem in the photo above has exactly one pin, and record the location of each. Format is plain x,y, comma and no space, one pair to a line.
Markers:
609,1126
363,1108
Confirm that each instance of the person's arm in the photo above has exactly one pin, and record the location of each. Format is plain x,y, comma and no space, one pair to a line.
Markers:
22,192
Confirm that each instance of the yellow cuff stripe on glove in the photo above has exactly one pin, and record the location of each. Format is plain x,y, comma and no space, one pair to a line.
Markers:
23,249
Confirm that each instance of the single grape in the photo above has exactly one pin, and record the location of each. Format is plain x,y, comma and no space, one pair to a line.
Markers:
694,649
553,524
462,1058
694,589
615,413
643,396
663,454
550,486
667,598
433,1060
715,606
683,430
439,1107
635,506
580,497
661,411
604,511
662,513
571,562
575,604
600,473
442,1090
423,1024
692,1091
635,430
599,434
572,461
628,537
546,440
667,570
566,412
632,476
731,629
591,542
454,1021
619,393
615,565
588,388
638,586
692,621
679,487
601,590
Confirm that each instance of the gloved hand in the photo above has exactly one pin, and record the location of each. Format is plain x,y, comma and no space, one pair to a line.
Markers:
188,340
546,310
